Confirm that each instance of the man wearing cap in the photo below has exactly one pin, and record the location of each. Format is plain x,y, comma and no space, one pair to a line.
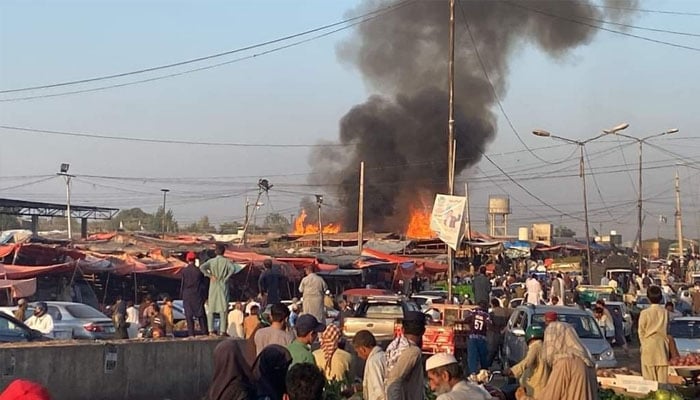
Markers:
445,379
21,310
549,317
307,328
532,370
404,367
192,293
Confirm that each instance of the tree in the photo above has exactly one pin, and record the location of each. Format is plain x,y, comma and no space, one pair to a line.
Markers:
230,227
277,223
156,223
563,231
8,222
201,226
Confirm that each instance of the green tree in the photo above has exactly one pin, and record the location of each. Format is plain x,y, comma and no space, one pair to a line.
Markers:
230,227
277,223
132,219
201,226
8,222
563,231
156,223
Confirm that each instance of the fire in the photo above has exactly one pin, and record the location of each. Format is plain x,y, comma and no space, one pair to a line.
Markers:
419,224
300,228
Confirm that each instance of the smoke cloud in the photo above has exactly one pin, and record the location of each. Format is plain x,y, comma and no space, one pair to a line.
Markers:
400,132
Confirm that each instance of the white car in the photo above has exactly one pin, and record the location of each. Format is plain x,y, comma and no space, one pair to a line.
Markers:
686,333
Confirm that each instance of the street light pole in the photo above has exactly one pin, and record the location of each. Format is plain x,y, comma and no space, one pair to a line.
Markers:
640,220
165,193
64,173
582,174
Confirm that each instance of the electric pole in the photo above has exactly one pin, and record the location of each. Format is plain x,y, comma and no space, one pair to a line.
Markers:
165,193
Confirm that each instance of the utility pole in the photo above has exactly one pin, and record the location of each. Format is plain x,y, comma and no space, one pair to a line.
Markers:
64,173
451,136
165,193
639,210
679,220
469,219
361,209
585,214
319,202
263,187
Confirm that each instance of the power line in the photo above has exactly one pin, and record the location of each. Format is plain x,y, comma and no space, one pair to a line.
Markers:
641,28
176,74
168,141
208,57
602,28
28,183
595,181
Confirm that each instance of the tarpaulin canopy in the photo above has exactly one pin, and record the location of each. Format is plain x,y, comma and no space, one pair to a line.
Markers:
19,288
31,271
303,262
374,258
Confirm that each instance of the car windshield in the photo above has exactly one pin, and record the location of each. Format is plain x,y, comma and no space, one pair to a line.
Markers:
9,328
84,311
585,325
685,329
384,311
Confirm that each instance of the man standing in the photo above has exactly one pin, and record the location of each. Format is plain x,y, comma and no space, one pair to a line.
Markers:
534,290
499,316
365,346
251,323
445,379
482,286
277,332
219,269
304,382
312,289
653,323
558,287
269,282
192,293
477,346
405,379
308,329
695,296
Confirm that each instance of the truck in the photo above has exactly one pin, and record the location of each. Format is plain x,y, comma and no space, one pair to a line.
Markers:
379,315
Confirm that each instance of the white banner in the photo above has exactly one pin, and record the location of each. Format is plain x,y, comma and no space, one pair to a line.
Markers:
447,219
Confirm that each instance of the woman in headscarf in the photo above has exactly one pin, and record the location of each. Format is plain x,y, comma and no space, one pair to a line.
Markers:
232,373
333,361
572,367
270,372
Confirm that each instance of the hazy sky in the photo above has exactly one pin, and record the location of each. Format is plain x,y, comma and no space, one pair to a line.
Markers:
297,96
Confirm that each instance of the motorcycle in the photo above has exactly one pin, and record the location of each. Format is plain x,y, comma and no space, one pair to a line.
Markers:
484,378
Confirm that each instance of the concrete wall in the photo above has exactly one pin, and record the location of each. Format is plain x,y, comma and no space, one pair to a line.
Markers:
174,369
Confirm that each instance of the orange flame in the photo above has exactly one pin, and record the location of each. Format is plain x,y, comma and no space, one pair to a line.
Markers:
419,224
300,228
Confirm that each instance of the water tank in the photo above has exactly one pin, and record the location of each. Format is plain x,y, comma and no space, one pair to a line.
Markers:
499,205
523,233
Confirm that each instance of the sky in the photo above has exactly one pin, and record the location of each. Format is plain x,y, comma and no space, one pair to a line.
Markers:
298,95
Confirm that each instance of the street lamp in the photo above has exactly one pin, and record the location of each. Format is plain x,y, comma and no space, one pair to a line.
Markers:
319,202
582,173
63,171
165,193
640,142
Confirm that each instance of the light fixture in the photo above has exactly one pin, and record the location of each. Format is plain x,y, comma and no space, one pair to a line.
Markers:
64,168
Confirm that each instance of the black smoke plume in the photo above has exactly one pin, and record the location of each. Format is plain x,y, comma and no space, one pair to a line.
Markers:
400,132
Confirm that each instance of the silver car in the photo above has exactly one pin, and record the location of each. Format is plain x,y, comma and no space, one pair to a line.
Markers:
515,347
74,320
686,333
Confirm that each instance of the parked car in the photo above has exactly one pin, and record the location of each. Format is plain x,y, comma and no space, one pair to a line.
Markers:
643,302
686,333
378,315
425,300
13,330
515,347
515,303
74,320
626,316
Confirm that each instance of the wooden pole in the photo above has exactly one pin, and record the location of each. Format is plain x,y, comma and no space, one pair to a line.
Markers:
361,209
679,219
